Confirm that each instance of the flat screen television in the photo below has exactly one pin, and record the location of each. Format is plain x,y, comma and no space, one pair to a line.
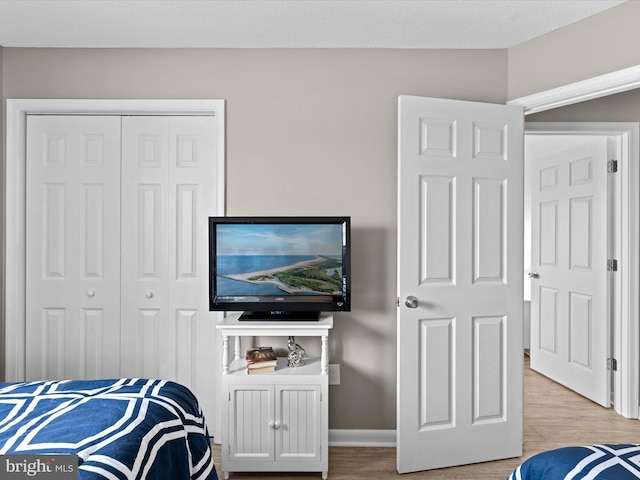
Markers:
279,268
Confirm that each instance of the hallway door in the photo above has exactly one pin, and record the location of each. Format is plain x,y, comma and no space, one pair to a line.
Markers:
570,308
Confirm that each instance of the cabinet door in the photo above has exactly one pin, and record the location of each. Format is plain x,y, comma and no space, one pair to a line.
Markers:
298,416
251,423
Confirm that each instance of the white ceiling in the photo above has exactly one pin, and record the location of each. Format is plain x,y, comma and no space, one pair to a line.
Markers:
286,23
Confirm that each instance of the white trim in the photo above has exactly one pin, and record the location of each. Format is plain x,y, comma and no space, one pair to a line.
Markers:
60,106
596,87
363,438
626,308
17,111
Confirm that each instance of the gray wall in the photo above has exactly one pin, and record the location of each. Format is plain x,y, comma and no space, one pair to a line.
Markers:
309,132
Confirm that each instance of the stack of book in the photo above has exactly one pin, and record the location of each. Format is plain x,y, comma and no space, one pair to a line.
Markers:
260,360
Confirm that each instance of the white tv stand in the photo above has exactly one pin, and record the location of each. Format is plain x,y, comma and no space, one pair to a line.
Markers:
279,421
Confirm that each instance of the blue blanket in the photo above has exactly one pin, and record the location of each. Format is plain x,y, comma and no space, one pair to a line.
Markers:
120,429
597,462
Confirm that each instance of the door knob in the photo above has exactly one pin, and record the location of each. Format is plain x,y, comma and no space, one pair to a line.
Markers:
534,275
149,294
91,292
411,302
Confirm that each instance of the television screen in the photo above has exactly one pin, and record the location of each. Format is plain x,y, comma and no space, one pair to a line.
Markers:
279,266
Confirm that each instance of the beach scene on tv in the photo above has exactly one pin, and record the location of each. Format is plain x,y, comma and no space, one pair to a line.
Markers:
279,259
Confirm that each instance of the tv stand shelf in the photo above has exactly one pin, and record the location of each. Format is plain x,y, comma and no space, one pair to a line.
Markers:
231,326
311,367
262,411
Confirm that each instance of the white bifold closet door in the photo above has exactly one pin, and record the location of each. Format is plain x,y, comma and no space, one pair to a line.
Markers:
73,247
117,248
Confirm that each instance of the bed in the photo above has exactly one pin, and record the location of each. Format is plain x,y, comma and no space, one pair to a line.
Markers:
119,429
595,462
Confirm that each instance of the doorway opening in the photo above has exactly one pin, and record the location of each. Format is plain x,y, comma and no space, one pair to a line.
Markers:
621,139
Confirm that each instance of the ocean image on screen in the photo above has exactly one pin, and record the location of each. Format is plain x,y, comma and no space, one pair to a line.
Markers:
279,259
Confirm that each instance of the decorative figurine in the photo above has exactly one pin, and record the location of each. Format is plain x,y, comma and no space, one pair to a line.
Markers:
296,353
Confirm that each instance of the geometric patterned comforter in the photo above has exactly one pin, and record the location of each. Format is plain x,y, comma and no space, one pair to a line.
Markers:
120,429
597,462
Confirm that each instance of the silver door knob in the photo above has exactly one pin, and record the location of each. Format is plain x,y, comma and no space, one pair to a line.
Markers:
149,294
411,302
534,275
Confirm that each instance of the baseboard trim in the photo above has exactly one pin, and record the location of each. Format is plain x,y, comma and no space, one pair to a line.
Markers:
362,438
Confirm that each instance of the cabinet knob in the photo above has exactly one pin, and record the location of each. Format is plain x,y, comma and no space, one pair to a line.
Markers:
91,292
149,294
274,425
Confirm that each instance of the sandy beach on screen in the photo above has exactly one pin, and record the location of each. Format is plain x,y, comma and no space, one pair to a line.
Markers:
244,277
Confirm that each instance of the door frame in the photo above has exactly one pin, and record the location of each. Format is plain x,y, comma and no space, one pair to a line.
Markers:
624,300
591,88
617,81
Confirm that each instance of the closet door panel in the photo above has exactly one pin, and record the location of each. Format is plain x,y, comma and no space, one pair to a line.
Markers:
192,196
145,223
73,247
168,192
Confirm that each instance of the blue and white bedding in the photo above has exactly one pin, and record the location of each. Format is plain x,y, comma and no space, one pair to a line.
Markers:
120,429
596,462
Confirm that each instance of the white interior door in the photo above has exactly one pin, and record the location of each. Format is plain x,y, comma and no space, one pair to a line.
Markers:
168,193
145,247
460,250
570,314
72,239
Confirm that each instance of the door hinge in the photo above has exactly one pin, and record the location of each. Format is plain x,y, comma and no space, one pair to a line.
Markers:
612,166
612,364
612,265
397,301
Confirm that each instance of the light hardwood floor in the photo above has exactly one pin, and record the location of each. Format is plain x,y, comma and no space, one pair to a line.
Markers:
553,417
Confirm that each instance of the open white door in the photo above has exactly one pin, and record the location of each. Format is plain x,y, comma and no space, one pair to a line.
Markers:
460,282
570,314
